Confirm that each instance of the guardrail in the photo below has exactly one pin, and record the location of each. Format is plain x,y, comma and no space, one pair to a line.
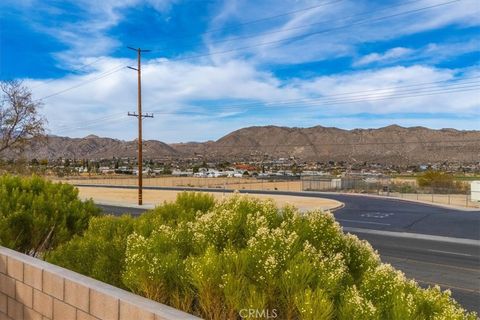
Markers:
34,289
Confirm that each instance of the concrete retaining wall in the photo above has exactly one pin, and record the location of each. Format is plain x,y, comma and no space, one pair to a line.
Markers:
34,289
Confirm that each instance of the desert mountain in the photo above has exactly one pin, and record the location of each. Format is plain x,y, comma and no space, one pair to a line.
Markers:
392,144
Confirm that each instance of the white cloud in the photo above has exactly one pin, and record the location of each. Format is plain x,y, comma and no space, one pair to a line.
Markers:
432,53
389,56
191,101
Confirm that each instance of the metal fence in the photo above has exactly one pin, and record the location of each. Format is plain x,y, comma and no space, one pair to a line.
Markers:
459,195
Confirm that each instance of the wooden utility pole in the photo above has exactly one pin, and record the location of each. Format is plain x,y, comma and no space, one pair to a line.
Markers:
139,115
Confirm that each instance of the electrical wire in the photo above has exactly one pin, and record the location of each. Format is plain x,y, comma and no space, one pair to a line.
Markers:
272,17
303,36
72,70
85,82
114,70
364,98
417,89
401,4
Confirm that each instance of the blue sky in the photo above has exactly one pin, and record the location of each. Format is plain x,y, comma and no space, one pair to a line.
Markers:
217,66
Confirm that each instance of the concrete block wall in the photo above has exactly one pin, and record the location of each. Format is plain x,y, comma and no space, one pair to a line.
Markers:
33,289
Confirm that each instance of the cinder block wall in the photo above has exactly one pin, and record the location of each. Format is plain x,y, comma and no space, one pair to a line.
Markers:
34,289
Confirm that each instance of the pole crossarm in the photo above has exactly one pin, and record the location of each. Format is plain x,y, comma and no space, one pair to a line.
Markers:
145,115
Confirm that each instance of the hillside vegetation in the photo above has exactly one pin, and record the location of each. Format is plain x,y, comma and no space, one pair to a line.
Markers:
215,259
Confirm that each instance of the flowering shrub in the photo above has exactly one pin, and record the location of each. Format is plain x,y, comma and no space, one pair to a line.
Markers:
222,260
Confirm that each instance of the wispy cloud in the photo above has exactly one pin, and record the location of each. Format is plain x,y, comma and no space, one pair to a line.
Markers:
336,29
82,26
431,53
390,55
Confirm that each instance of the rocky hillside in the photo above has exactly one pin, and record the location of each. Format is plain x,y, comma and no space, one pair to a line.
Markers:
94,147
392,144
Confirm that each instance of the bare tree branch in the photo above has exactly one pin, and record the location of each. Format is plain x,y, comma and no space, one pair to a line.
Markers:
20,121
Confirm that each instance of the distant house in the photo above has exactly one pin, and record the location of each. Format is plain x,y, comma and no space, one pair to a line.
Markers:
106,170
245,167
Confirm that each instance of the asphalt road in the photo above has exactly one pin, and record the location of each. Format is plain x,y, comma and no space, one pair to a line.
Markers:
451,265
443,255
383,213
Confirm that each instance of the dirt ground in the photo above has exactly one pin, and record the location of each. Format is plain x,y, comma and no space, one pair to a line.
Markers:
220,183
154,197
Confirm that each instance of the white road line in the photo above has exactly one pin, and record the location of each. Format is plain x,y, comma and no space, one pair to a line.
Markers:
448,252
414,236
368,222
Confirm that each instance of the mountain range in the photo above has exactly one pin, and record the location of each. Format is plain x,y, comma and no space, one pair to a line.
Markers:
392,144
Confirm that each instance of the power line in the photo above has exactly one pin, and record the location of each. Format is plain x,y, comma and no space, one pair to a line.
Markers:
273,17
210,31
314,24
262,44
93,125
364,98
101,76
422,91
295,38
72,70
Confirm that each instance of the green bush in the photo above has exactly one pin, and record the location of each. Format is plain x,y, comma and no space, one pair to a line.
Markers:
100,252
216,259
37,215
436,179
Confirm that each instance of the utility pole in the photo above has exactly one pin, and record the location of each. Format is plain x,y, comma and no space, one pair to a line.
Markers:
139,115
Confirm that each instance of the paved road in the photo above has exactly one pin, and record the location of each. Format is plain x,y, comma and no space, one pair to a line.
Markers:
443,256
406,216
384,213
451,265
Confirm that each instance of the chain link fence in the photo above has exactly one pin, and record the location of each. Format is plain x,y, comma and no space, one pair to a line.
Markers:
460,195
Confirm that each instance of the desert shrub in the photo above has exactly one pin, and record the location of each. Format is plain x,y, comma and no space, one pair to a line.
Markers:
37,215
432,303
156,268
195,201
100,252
403,188
217,259
359,257
436,179
185,208
314,305
355,306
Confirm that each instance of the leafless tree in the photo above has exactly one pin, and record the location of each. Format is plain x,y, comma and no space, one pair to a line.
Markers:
20,121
